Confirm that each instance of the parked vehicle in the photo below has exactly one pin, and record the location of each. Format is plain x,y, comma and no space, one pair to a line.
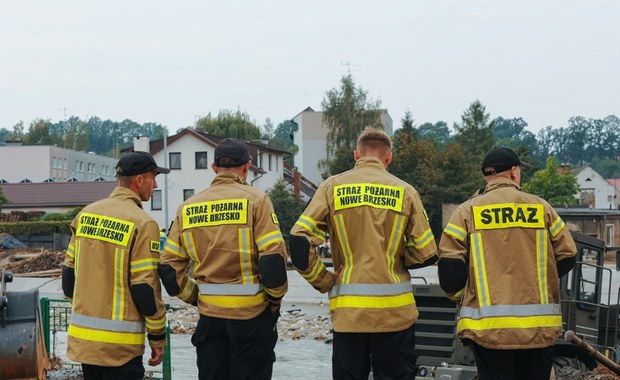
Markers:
587,309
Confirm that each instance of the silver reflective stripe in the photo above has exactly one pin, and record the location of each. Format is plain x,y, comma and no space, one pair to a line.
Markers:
107,324
230,289
509,311
370,289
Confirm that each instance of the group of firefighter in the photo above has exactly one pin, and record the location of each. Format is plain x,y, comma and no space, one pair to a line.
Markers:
499,258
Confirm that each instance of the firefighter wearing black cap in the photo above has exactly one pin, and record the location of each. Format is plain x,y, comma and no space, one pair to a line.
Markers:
501,256
378,230
110,273
228,235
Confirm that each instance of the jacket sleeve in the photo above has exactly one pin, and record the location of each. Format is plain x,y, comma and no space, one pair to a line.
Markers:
173,267
420,242
144,282
307,233
562,243
453,262
271,251
68,268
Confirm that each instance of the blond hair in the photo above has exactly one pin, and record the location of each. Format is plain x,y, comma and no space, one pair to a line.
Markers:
374,139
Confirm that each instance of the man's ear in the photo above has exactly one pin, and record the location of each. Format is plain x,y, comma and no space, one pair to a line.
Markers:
356,155
214,168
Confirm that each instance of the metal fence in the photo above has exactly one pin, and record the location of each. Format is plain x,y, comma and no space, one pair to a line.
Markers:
55,314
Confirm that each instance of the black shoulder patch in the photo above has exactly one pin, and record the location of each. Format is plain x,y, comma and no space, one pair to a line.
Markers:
272,270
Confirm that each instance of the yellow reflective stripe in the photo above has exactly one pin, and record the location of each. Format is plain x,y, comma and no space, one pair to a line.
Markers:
423,240
557,226
118,301
270,238
187,289
144,264
482,286
76,262
274,293
188,241
541,265
316,270
509,322
311,226
175,249
234,301
71,251
155,324
106,336
345,248
456,231
245,255
393,242
370,302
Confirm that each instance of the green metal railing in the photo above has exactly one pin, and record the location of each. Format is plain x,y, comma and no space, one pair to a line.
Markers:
55,314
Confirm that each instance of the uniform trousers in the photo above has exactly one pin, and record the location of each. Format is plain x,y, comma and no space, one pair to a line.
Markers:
391,355
530,364
236,349
132,370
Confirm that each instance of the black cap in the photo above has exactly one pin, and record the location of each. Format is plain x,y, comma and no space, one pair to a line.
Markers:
234,149
500,159
135,163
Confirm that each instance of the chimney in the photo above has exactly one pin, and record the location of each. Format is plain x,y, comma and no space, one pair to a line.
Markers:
297,184
142,144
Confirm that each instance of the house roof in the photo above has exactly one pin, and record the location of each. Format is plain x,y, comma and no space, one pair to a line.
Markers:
55,194
615,182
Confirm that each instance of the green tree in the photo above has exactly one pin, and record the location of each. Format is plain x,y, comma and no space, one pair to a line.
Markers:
438,132
283,138
229,124
39,133
346,112
557,189
3,199
287,207
4,135
475,132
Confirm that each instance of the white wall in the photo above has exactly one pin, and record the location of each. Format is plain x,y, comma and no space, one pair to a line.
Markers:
592,182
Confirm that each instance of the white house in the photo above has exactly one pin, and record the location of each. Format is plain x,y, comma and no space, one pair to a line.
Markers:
594,190
311,137
49,163
189,155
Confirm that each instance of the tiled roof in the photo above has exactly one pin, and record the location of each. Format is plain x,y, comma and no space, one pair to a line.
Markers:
615,182
55,194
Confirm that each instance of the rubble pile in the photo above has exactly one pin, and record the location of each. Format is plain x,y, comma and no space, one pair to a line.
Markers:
599,373
38,261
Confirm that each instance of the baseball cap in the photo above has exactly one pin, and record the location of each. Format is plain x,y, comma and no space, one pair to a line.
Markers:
134,163
235,150
500,159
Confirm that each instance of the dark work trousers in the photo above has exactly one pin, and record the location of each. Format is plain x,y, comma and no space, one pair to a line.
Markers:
132,370
236,349
391,355
530,364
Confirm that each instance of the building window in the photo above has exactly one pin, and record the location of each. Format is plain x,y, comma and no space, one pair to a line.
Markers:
269,161
175,160
201,160
187,193
609,234
156,200
277,164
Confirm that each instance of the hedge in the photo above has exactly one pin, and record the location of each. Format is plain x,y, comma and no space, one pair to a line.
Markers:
36,228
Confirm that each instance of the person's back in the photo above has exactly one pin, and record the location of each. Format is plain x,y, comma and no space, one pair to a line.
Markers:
378,230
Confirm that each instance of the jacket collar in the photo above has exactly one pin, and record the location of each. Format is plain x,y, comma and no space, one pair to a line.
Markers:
227,177
501,182
126,194
369,161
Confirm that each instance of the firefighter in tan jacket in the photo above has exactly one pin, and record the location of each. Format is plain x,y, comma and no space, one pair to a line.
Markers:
110,273
501,256
378,230
228,238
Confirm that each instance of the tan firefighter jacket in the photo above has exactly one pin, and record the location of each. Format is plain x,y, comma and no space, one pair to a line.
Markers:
114,247
378,227
220,236
511,241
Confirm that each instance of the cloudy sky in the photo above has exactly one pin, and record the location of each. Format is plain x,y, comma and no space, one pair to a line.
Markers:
171,62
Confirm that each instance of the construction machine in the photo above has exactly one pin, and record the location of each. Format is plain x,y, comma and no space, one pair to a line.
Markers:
22,348
590,309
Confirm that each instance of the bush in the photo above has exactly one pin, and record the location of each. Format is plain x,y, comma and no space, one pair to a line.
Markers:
54,216
36,228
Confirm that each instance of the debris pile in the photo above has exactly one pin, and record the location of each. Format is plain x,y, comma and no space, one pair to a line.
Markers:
38,262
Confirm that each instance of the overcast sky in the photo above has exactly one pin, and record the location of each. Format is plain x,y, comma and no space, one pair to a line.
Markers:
171,62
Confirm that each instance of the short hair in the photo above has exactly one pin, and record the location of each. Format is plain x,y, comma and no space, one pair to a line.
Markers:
374,139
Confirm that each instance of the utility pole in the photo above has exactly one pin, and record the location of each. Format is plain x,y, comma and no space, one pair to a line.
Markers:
348,65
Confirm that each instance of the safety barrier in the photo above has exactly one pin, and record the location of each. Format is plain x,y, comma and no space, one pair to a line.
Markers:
55,314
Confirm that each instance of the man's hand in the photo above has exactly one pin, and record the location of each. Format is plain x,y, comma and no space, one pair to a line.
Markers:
157,355
337,275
